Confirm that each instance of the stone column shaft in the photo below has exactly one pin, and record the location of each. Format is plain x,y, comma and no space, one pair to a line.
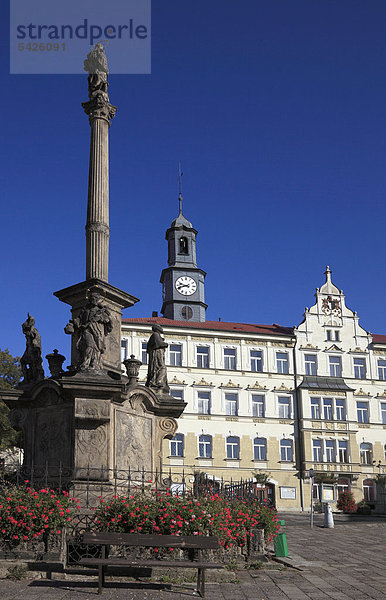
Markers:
97,227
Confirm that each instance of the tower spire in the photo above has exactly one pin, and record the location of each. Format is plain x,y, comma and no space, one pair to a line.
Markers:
180,174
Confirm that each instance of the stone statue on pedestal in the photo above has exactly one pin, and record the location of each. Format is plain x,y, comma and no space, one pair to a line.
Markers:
92,327
156,374
31,361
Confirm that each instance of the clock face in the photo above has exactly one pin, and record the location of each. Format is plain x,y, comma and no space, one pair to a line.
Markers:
186,285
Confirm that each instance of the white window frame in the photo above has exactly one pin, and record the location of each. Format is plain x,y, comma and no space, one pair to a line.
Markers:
180,392
330,451
340,411
343,453
363,411
337,367
281,405
328,408
309,364
229,400
383,413
381,365
206,406
202,356
316,403
177,445
230,359
286,449
366,453
317,450
255,360
366,490
206,446
144,354
174,354
261,449
124,349
258,404
359,370
233,446
282,364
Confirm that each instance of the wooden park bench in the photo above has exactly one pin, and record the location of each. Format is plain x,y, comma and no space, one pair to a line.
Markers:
194,544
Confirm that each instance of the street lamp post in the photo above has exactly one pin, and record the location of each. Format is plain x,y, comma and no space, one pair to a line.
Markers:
311,474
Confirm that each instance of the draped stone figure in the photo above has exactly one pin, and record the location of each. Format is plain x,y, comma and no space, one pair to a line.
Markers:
31,361
156,373
92,327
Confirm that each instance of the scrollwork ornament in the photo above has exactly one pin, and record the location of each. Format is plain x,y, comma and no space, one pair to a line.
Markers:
168,426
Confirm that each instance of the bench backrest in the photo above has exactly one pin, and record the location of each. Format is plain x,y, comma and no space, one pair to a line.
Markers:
160,541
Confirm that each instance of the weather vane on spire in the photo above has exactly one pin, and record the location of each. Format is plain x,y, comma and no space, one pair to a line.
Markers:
180,174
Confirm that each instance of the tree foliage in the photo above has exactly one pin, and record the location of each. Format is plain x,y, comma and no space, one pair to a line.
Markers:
10,375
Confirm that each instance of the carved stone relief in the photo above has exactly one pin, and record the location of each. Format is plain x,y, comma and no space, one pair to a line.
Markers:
133,441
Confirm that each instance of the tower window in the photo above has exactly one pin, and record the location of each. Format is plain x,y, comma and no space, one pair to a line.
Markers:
186,313
183,245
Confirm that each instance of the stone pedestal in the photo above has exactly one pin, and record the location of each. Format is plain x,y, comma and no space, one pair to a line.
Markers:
115,300
92,430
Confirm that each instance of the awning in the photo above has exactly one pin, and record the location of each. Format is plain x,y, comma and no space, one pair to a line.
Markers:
312,382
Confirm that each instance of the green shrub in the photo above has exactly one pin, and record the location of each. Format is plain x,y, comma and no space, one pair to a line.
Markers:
363,508
346,502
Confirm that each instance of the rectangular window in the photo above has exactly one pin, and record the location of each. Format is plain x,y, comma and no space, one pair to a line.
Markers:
258,408
123,350
382,369
260,449
205,446
177,445
360,368
175,355
310,364
337,336
383,412
282,362
202,357
284,404
230,358
178,394
330,451
366,454
317,450
144,354
335,366
233,447
340,409
343,451
286,453
327,409
329,335
231,404
256,361
315,408
363,412
203,403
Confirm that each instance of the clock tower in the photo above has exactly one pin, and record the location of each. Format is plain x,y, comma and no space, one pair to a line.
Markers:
182,281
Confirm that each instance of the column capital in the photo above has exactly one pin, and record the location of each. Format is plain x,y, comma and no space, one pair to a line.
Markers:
99,107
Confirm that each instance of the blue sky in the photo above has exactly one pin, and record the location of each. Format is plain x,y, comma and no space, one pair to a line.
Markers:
276,112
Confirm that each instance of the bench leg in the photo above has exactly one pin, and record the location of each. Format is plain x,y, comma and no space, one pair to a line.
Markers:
201,582
101,578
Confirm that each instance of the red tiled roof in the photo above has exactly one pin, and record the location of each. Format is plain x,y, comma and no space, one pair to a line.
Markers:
378,338
215,325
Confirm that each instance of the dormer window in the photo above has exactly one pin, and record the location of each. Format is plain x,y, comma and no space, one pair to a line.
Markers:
183,245
333,335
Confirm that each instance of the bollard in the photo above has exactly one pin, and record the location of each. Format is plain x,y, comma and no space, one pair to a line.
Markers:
328,517
281,546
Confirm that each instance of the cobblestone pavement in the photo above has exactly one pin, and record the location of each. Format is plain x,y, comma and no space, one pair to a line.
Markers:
344,563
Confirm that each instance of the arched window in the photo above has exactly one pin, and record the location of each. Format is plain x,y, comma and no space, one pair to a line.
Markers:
183,245
205,446
286,451
366,453
260,449
177,445
369,490
233,447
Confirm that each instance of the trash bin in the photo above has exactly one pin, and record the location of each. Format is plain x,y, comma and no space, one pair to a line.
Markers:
328,517
281,546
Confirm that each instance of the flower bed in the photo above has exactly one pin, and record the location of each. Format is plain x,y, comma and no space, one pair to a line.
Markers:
31,519
230,520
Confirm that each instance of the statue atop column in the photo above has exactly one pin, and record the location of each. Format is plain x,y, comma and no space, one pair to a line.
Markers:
156,373
96,66
31,361
91,327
